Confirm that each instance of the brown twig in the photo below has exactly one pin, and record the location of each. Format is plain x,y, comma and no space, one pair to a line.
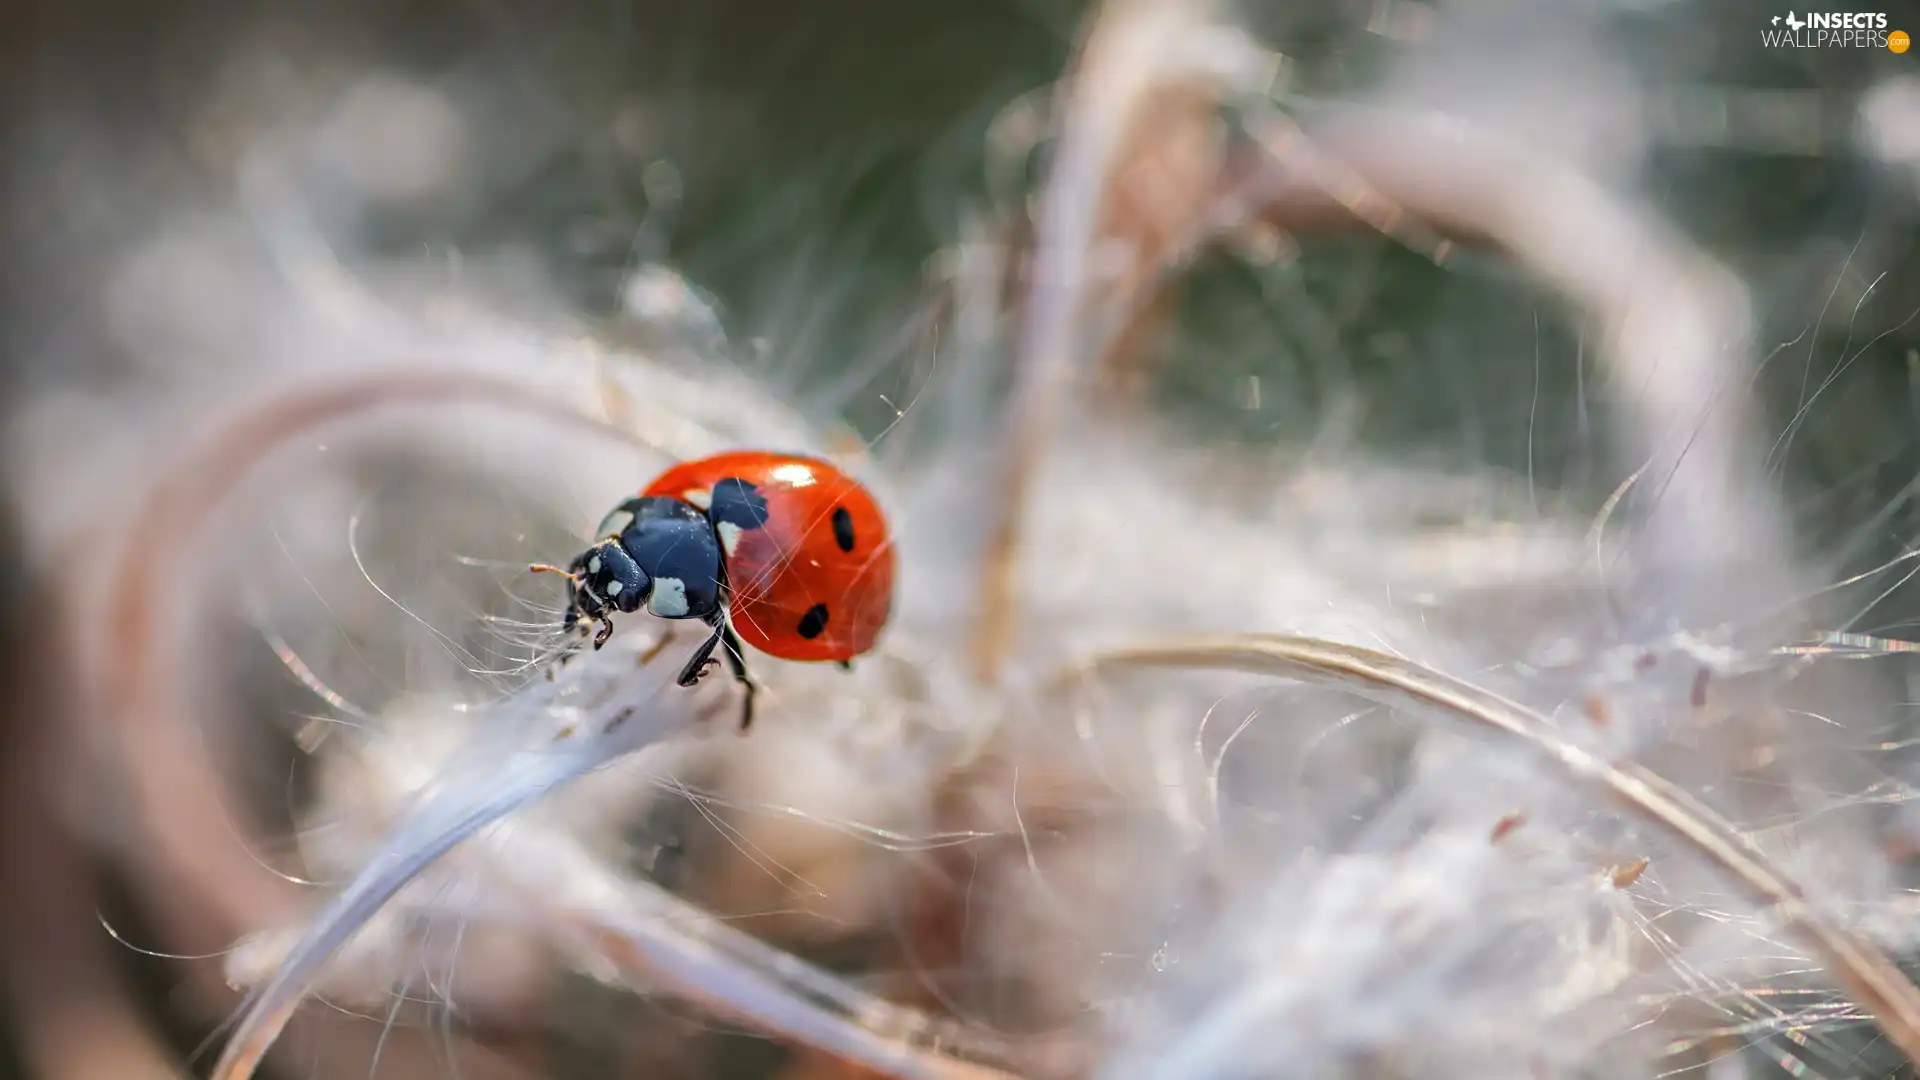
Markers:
1857,966
71,1009
199,870
1672,323
1112,102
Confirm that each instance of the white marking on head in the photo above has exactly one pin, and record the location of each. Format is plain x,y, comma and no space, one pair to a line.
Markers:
593,565
615,523
700,497
613,588
669,599
729,534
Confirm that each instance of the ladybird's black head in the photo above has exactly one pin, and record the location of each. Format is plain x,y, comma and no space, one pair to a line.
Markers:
602,579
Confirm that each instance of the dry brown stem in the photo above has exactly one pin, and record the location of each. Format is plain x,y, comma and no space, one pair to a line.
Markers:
1857,965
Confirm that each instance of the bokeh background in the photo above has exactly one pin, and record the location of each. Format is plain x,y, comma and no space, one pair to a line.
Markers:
803,163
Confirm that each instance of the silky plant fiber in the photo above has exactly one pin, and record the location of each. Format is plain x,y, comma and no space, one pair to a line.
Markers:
1404,514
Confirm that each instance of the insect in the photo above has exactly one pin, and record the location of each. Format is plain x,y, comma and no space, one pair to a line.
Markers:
781,551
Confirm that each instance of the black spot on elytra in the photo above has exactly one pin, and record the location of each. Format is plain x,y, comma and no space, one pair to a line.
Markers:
814,622
843,528
738,503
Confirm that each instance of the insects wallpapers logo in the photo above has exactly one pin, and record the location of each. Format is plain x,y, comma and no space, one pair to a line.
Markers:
1832,29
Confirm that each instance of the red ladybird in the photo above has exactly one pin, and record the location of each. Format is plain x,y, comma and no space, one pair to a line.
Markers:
788,551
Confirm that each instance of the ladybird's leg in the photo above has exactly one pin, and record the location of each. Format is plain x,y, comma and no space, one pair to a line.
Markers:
737,660
697,664
702,658
606,631
844,665
570,644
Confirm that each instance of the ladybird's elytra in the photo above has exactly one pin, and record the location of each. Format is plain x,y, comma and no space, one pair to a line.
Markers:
785,551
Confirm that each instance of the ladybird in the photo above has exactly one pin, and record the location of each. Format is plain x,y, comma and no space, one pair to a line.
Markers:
780,551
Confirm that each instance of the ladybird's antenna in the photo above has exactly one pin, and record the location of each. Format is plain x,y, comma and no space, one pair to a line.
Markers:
573,614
